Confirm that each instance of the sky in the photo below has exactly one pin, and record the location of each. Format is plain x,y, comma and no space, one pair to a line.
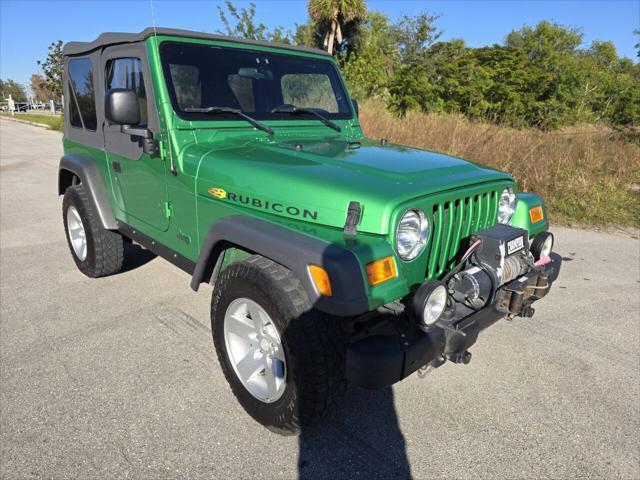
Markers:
28,27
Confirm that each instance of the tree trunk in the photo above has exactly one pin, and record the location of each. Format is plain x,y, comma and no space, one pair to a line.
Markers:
332,36
338,33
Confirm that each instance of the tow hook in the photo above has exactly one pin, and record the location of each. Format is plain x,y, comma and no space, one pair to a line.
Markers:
527,312
425,370
464,357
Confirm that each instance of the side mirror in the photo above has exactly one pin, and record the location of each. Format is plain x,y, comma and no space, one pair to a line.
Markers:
356,107
122,107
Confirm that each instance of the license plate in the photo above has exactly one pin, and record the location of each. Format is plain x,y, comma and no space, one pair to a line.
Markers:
515,245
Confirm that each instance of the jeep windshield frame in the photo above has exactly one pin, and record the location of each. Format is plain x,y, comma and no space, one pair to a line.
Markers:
256,82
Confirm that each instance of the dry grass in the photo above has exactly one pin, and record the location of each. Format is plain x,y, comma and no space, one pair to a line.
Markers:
588,175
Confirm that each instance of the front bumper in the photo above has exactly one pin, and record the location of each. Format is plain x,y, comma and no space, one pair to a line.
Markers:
396,348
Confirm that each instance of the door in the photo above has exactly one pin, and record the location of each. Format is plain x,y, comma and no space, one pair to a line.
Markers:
138,179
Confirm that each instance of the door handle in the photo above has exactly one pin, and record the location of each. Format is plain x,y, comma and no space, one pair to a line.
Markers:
117,167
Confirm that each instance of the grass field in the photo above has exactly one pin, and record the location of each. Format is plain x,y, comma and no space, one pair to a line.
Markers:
588,175
53,121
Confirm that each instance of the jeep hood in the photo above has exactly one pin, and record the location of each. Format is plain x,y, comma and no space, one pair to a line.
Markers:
314,180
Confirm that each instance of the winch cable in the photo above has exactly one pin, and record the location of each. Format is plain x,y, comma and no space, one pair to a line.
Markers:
460,264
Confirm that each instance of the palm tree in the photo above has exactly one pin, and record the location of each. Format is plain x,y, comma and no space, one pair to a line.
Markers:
333,13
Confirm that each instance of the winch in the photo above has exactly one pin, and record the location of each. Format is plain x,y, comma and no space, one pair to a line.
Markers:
498,255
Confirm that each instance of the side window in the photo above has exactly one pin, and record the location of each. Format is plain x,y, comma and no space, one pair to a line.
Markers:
310,90
186,82
82,102
127,73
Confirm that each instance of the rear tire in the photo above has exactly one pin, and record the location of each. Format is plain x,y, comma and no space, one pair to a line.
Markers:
312,342
97,252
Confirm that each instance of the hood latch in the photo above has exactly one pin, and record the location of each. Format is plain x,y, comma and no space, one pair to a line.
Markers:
353,218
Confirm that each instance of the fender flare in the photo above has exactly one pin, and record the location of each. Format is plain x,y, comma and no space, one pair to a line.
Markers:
521,217
294,251
86,169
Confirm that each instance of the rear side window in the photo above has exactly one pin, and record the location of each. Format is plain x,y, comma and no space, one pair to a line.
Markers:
127,73
82,104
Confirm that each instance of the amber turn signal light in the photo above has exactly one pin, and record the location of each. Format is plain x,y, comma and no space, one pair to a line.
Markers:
535,214
321,279
381,270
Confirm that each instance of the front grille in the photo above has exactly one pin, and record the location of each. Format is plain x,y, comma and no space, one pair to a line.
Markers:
452,221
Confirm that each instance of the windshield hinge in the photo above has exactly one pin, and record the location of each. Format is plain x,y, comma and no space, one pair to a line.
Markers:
353,218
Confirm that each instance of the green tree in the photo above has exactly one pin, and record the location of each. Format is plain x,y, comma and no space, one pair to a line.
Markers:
545,39
369,69
539,78
306,34
603,54
557,96
241,23
413,35
38,86
614,85
16,90
52,68
337,20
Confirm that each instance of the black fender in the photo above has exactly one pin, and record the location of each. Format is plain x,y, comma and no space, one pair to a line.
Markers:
293,250
86,169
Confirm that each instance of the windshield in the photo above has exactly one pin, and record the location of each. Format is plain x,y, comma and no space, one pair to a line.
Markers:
259,84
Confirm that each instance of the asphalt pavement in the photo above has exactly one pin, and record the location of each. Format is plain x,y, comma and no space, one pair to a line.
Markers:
117,377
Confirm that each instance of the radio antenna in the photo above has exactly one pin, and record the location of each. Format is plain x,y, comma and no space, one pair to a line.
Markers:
153,18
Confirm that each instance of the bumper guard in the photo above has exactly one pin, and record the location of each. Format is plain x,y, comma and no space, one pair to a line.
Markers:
399,347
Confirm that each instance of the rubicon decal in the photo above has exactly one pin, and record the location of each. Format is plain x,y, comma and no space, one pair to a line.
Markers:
218,192
272,206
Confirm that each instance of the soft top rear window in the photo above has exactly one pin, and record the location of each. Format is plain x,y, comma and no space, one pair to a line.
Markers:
82,101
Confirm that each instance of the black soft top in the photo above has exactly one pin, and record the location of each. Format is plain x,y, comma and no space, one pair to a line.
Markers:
115,38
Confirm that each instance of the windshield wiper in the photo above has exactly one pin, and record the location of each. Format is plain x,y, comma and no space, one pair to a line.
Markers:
234,111
296,110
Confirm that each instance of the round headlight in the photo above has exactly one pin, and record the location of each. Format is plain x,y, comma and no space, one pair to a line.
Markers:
507,205
546,247
542,245
428,304
434,306
412,234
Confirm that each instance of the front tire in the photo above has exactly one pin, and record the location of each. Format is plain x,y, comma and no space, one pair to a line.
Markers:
97,252
283,359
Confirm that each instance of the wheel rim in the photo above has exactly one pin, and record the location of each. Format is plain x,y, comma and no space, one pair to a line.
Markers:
77,236
255,350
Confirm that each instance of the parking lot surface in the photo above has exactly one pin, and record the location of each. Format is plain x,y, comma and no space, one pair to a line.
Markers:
117,377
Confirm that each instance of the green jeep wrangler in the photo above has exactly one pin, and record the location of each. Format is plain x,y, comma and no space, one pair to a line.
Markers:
333,258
